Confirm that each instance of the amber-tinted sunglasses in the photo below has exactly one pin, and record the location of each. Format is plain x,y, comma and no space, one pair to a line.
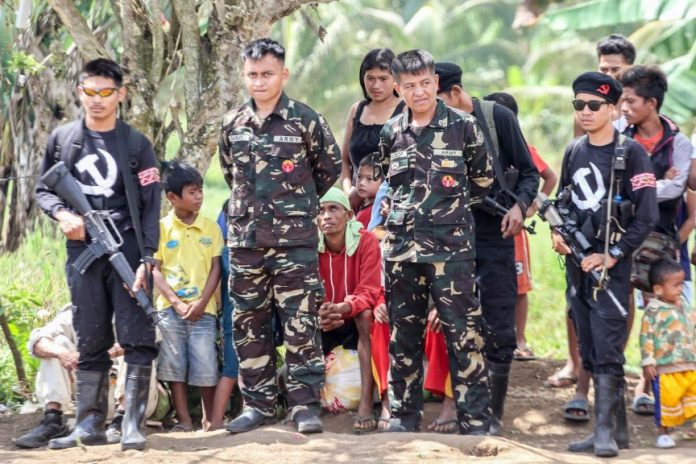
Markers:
105,92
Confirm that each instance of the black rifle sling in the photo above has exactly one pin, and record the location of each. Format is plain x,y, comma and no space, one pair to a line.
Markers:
486,126
123,133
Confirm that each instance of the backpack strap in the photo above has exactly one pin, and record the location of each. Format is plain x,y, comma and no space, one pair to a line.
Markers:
483,111
487,107
125,140
568,160
69,141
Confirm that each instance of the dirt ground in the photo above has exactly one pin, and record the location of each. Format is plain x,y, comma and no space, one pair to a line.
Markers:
535,432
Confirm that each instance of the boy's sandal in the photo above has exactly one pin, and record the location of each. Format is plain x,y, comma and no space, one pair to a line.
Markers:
383,424
364,424
643,405
524,353
577,410
664,441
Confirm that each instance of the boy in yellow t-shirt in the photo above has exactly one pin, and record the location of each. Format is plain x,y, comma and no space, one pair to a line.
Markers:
186,275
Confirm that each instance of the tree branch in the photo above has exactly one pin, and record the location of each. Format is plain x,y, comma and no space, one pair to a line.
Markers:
86,42
157,41
190,47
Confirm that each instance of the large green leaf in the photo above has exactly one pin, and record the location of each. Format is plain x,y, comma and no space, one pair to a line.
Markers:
600,13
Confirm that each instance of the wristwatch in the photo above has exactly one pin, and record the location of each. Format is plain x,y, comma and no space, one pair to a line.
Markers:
149,260
616,253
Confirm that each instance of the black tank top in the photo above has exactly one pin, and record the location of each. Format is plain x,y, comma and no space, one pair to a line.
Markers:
365,137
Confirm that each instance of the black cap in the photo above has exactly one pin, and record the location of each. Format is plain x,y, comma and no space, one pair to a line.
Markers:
596,83
449,75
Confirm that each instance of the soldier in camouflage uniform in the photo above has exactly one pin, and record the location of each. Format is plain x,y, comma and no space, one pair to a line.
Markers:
278,157
436,167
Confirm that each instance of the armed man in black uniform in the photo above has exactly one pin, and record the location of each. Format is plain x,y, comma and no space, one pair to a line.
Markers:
610,190
516,185
114,165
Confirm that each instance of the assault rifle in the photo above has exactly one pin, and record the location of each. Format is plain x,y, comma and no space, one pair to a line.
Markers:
104,236
561,223
491,206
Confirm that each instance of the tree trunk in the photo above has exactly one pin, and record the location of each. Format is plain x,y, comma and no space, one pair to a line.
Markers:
16,354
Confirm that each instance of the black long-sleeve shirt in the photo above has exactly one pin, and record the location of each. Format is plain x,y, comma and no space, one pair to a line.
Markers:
588,173
513,151
97,171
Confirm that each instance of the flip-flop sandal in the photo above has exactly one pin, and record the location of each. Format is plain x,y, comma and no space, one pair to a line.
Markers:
643,405
573,407
524,353
182,428
359,424
383,424
437,423
560,381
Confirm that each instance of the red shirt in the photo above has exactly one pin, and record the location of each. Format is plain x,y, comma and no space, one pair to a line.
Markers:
357,279
364,215
536,159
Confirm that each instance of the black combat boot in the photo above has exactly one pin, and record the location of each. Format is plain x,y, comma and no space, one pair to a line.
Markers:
498,376
51,426
137,391
602,441
621,432
92,391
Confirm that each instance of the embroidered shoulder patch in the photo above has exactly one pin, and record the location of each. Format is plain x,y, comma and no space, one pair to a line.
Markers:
642,180
148,176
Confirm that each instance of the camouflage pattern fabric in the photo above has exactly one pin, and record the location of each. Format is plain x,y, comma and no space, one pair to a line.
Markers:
451,285
277,169
668,334
286,279
434,174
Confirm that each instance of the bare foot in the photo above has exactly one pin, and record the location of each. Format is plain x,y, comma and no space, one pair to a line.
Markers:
384,414
563,378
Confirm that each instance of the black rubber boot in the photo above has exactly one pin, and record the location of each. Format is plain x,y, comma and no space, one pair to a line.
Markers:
621,432
137,390
51,426
498,376
92,390
602,441
607,388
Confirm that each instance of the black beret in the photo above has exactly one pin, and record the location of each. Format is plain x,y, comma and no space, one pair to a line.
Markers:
596,83
449,74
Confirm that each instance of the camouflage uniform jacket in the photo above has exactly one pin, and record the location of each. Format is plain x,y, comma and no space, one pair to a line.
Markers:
433,176
277,169
667,338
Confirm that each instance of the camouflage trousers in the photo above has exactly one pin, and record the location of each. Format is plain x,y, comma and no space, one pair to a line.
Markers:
451,285
285,281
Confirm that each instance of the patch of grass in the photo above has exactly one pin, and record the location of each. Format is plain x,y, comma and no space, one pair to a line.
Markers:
35,275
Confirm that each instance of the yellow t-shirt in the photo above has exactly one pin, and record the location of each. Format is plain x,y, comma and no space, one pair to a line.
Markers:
186,253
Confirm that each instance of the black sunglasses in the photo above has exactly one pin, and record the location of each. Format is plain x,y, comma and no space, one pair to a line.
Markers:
594,105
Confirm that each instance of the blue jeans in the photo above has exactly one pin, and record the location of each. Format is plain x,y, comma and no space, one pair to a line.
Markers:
196,360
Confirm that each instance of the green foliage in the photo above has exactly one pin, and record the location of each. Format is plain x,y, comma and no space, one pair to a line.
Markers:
32,290
22,62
